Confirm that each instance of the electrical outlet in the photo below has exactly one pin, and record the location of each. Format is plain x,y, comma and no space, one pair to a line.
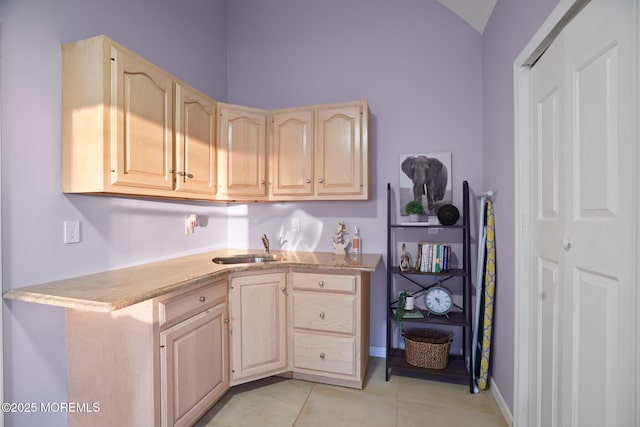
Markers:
71,231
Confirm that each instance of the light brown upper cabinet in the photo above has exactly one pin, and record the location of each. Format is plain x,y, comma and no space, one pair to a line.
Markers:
342,152
130,128
195,124
320,153
118,126
242,153
291,154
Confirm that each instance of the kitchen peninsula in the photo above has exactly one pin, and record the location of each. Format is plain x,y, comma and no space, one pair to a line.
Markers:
160,343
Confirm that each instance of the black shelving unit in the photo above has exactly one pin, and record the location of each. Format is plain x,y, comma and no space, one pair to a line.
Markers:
458,369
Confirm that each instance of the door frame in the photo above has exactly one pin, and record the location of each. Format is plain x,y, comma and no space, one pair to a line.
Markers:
553,25
1,285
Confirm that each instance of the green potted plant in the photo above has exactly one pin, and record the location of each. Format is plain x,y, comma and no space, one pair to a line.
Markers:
414,209
400,310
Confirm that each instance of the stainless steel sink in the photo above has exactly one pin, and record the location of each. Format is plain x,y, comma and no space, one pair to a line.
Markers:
247,259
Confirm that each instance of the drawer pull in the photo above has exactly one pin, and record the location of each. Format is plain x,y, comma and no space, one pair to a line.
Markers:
322,356
322,314
321,284
202,299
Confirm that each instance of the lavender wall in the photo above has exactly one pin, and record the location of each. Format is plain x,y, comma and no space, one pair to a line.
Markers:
510,28
417,64
187,39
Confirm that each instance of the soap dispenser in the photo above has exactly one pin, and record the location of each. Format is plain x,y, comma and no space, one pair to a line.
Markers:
355,244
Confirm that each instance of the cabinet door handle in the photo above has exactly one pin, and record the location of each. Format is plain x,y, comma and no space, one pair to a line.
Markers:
225,321
202,299
322,356
321,284
283,289
320,180
322,314
308,181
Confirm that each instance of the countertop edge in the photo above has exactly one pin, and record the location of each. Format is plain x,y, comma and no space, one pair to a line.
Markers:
53,296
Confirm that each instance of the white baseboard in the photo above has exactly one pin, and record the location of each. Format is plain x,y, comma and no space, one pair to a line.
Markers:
504,408
377,352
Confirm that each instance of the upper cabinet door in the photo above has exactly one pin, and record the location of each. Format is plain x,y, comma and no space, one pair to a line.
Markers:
341,152
142,145
242,153
292,154
195,124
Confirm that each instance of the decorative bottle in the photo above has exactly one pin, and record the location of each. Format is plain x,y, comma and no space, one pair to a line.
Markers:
356,241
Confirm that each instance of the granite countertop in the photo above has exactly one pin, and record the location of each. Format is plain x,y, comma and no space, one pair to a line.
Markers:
116,289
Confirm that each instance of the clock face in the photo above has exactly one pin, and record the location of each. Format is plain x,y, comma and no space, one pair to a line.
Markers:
438,300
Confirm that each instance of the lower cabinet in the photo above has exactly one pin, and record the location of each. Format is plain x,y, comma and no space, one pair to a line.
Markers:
166,361
161,362
330,327
319,319
194,366
258,313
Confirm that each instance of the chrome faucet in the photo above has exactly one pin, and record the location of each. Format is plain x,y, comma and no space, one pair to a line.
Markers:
265,242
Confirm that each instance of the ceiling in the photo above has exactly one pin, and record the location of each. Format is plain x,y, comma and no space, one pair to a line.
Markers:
475,12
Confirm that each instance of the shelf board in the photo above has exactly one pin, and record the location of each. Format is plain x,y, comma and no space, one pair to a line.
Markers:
423,225
455,372
451,272
455,319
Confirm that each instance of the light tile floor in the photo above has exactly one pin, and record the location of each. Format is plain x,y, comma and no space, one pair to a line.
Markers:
402,401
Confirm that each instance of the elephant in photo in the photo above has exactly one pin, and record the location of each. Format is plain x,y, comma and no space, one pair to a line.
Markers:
429,176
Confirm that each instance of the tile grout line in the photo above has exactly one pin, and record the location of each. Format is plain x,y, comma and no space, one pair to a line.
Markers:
303,405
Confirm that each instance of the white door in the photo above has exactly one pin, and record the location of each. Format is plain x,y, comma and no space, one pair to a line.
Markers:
548,216
584,219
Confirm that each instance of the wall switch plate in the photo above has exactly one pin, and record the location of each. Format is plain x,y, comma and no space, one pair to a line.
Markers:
71,232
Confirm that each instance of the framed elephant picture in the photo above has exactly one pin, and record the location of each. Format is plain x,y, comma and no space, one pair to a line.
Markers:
426,178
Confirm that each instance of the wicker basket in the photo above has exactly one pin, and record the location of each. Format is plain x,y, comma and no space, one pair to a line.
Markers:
427,348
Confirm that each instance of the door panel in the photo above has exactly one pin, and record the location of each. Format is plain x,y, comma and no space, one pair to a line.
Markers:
242,152
548,342
595,339
258,326
596,140
339,151
143,145
547,200
196,143
584,201
548,156
600,264
195,367
292,154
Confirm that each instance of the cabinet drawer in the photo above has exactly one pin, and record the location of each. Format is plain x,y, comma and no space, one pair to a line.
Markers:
191,302
324,353
324,312
324,282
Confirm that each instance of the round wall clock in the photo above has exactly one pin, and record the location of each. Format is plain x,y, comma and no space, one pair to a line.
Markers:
438,300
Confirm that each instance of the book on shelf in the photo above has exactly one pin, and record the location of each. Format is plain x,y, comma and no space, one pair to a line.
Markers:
413,314
431,220
433,257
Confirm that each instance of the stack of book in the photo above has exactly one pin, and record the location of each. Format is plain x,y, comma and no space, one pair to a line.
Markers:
433,257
